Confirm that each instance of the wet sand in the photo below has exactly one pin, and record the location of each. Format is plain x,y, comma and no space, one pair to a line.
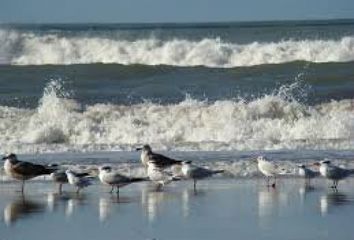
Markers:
221,209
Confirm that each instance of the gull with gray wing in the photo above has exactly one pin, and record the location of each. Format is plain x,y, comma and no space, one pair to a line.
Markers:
78,181
61,178
307,173
268,169
194,172
158,175
116,180
161,161
332,172
23,171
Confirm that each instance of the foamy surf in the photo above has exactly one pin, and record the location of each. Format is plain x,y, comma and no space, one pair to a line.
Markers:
30,48
272,122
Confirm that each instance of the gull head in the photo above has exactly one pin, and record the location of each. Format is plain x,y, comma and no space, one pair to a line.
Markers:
325,162
261,158
187,163
105,169
69,172
145,148
10,157
322,163
301,166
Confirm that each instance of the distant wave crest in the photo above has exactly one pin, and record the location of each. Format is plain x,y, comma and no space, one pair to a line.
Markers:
25,48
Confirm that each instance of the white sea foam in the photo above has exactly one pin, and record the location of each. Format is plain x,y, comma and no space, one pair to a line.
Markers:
270,122
25,48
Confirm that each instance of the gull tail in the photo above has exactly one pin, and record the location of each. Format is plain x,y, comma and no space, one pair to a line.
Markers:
48,171
175,178
138,179
177,162
218,171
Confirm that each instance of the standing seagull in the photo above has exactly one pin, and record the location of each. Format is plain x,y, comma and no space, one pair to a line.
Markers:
114,179
191,171
158,175
61,178
269,169
333,173
77,180
23,171
147,155
307,173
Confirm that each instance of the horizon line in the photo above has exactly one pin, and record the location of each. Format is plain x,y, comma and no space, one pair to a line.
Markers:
185,22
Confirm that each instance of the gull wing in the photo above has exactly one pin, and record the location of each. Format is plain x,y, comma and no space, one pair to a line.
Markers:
162,161
30,169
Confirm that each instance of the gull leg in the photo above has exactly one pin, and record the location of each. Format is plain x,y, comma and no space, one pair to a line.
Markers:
195,185
333,184
78,190
275,180
111,189
117,192
308,181
268,179
159,186
60,188
23,186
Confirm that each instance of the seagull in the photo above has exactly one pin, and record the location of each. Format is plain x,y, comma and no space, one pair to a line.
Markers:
158,175
114,179
77,180
332,172
61,178
191,171
307,173
269,169
23,171
160,160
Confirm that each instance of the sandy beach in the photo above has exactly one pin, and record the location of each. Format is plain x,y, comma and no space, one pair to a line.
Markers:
221,209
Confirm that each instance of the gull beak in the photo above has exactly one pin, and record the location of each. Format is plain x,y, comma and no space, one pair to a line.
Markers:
4,158
139,149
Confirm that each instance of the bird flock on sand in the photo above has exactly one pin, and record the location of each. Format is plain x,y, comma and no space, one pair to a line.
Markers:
158,171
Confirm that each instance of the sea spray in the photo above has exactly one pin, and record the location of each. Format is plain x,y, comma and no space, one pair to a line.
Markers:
270,122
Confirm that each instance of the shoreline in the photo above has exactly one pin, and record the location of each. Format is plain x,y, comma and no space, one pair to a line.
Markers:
245,208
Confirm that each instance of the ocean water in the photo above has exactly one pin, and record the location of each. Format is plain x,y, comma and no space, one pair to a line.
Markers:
203,91
221,209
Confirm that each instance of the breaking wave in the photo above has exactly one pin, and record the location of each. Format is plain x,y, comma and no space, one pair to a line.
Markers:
27,48
272,122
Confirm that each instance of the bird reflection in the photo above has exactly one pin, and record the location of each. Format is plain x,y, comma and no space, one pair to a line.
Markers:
267,200
73,201
187,195
332,200
270,202
106,205
54,198
305,190
21,208
104,208
152,200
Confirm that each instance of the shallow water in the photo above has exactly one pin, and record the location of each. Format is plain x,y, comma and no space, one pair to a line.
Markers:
221,209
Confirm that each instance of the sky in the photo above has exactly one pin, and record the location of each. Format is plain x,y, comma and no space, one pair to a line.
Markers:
164,11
